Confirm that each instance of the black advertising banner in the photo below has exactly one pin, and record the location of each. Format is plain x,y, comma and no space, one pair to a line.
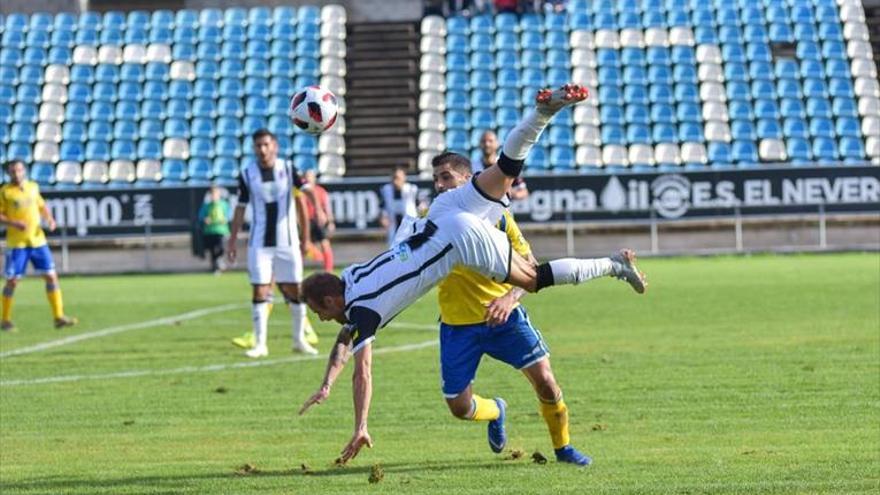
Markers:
552,198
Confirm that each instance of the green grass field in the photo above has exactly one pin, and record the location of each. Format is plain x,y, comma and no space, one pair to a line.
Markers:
747,375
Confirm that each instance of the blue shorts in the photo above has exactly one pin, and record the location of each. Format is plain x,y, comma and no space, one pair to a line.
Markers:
516,343
17,260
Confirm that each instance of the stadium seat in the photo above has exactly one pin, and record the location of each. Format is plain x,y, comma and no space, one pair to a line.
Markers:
613,134
200,169
822,128
852,148
825,149
744,152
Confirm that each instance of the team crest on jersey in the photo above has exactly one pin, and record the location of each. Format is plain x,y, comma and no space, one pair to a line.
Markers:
403,251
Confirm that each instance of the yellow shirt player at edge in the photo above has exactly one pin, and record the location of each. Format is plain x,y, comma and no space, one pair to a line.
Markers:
21,208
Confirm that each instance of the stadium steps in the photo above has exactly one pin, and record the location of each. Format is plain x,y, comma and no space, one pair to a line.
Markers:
382,97
872,19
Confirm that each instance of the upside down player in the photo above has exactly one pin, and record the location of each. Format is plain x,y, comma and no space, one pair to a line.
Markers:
459,230
481,316
21,207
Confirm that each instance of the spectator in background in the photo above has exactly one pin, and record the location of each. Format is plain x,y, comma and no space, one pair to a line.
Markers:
214,216
506,6
398,200
489,148
321,221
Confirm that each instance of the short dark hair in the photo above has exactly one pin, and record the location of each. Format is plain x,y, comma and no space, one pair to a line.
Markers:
13,161
459,163
261,133
319,285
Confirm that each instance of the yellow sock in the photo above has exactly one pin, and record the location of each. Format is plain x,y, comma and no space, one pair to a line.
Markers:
7,307
556,416
484,409
54,297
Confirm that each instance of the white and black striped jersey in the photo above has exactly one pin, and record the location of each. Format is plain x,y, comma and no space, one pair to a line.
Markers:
271,194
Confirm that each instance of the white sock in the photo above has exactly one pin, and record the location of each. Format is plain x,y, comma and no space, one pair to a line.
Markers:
521,138
298,313
260,315
574,271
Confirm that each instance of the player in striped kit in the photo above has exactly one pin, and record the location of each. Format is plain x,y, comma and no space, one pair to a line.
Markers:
273,189
459,230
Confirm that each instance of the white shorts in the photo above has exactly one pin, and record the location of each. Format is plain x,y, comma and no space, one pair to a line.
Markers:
284,262
469,199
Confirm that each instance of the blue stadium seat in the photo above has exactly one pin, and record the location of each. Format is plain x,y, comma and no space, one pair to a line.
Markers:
176,128
780,33
795,128
125,130
97,150
173,171
807,50
766,109
657,56
73,131
149,149
42,173
677,18
610,76
72,151
305,144
833,50
38,39
281,47
730,35
607,57
229,126
755,33
847,127
684,55
482,79
830,31
28,93
812,69
228,146
230,107
482,24
633,56
719,152
22,132
123,150
558,59
64,21
150,129
690,132
798,150
612,115
528,40
561,136
100,131
687,93
112,37
738,90
758,52
815,88
760,70
825,149
636,94
562,157
820,127
73,112
763,89
457,140
63,39
530,23
482,119
138,36
278,105
579,20
200,169
734,72
685,73
852,149
841,87
743,130
481,98
769,129
844,107
89,19
636,113
792,107
456,119
819,108
457,100
661,93
166,18
788,88
837,68
662,113
225,169
256,86
555,40
507,116
744,152
613,134
638,134
100,110
11,56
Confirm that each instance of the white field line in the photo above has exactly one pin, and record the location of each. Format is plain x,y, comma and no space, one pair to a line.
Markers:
167,320
206,368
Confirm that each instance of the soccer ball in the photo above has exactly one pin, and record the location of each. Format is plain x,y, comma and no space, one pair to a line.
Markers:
313,109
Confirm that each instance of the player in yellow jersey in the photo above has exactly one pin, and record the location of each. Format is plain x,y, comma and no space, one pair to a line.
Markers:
480,316
21,207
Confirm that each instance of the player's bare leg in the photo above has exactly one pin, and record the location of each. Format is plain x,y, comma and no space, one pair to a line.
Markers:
554,411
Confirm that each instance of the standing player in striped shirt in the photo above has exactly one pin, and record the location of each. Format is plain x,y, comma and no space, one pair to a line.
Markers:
458,231
273,189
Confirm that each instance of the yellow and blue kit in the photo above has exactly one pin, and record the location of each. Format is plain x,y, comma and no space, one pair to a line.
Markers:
23,203
464,334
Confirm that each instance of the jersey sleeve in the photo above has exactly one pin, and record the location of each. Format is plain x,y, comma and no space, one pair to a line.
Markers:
41,203
364,324
3,201
244,196
517,240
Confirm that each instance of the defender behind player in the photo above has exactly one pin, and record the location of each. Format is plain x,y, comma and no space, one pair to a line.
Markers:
21,207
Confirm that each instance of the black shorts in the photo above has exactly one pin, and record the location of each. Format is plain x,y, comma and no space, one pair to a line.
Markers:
317,232
213,241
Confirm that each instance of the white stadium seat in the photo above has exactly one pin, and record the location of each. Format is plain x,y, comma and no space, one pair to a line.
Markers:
46,151
713,110
432,81
864,67
607,38
870,127
158,52
432,62
615,155
57,74
335,13
332,144
713,91
95,172
431,121
586,114
872,146
109,54
693,153
852,12
710,73
335,84
433,44
859,49
588,156
641,154
583,57
68,173
708,53
432,100
149,170
587,134
339,126
717,131
175,149
333,31
85,55
634,38
55,93
869,106
856,30
183,70
425,158
586,76
432,141
867,86
656,37
581,39
52,112
772,150
122,171
333,48
667,153
681,35
341,105
332,66
331,165
49,131
434,25
134,54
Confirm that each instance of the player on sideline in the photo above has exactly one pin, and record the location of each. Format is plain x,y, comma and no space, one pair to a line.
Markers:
459,230
272,187
21,207
481,316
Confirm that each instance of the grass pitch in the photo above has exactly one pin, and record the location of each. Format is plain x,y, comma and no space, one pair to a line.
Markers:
752,375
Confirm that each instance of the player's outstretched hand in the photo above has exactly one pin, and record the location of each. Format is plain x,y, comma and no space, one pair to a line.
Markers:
498,311
231,252
357,442
316,398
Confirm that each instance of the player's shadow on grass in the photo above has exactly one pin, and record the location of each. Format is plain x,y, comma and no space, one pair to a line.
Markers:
131,484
